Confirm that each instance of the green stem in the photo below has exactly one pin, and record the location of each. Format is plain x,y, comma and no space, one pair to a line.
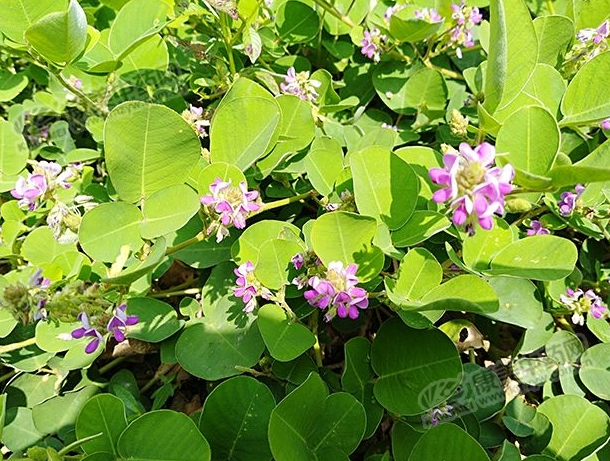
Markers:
442,70
167,294
602,228
550,6
110,365
251,371
80,94
8,376
564,324
336,13
16,346
317,351
79,442
287,201
227,38
198,238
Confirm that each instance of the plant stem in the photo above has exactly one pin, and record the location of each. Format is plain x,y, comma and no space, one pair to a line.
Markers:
77,443
287,201
167,294
198,238
80,94
110,365
226,34
16,346
8,376
336,13
550,6
442,70
317,351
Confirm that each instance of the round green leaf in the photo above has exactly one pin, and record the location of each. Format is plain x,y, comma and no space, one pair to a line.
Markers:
168,210
530,139
19,432
481,392
554,34
235,418
519,304
14,151
274,262
108,227
103,414
419,273
61,411
580,105
224,171
595,370
410,383
60,37
163,435
140,268
139,138
466,292
540,257
156,320
296,22
226,337
406,28
421,225
11,85
28,390
54,336
385,186
324,163
579,427
40,247
479,249
284,337
449,443
250,242
308,422
17,17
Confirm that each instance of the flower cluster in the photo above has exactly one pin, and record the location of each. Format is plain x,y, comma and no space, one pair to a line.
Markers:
348,202
580,302
435,415
76,83
196,117
569,200
229,206
248,287
536,228
429,15
26,302
589,43
299,84
116,326
337,291
392,10
65,219
39,185
372,44
474,188
466,17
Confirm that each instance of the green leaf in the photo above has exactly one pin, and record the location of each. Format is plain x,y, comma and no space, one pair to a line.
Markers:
324,163
449,443
480,394
530,139
296,22
250,242
357,371
580,105
519,303
355,10
58,412
568,175
554,34
285,338
226,337
540,257
595,370
512,53
139,138
51,334
411,383
140,268
40,247
225,171
478,250
60,37
347,237
103,414
310,424
579,427
28,390
109,226
241,433
419,273
156,320
14,151
462,293
11,85
385,186
421,225
20,432
134,23
163,435
168,210
258,118
18,16
404,27
274,262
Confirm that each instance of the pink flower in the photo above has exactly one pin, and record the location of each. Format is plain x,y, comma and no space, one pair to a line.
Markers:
429,15
299,84
29,190
372,43
466,18
474,188
391,11
605,124
337,291
537,229
120,321
248,288
568,201
580,302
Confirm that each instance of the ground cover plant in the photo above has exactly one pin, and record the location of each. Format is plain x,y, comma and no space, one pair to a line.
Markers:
304,230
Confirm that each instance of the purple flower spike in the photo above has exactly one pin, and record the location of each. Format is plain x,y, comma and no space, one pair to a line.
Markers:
580,302
466,18
87,330
299,84
428,14
473,187
248,287
605,124
372,43
537,229
568,202
29,190
120,321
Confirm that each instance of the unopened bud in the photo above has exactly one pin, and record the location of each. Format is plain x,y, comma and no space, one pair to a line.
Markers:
517,205
458,124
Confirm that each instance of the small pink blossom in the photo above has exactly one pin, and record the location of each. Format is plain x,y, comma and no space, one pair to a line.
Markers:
429,15
299,84
569,200
372,44
580,302
605,124
537,229
248,287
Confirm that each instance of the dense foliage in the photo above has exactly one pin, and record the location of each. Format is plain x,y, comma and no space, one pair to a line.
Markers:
305,230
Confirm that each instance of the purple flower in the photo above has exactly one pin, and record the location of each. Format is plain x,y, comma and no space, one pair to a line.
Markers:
297,261
429,15
391,11
29,190
194,116
466,18
537,229
248,288
605,124
120,321
474,188
337,291
580,302
38,281
372,43
299,84
228,206
432,417
602,32
89,331
568,201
